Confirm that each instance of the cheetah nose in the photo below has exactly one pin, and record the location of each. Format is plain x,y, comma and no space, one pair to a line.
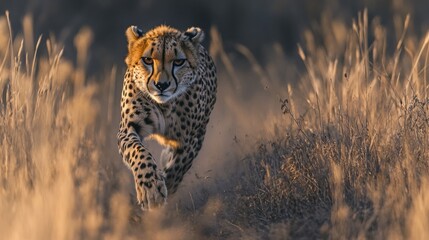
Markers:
162,85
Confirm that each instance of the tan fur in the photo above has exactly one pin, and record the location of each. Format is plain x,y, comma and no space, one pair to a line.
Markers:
166,142
169,92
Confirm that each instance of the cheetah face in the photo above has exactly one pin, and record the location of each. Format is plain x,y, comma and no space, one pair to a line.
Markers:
164,60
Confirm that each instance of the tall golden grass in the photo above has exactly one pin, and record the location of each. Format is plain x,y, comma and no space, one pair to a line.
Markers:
340,152
352,159
51,143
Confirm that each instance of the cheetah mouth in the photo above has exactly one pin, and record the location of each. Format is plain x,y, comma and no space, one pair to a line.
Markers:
161,97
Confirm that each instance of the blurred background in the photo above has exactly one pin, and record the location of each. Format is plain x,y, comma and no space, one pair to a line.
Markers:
256,24
253,134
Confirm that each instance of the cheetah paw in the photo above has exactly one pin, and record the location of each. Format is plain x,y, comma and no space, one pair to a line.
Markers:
151,189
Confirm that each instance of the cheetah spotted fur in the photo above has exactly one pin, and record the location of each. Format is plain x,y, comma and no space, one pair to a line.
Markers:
169,91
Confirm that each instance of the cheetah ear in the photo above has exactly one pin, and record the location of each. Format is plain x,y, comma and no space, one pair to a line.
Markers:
133,33
195,34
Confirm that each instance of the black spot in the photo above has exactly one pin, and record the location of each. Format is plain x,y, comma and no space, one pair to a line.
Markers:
127,111
139,176
148,184
179,151
142,165
148,175
130,95
148,121
134,125
130,86
187,167
159,190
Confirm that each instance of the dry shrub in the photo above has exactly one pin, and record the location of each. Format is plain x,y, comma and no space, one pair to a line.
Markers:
342,155
352,162
51,181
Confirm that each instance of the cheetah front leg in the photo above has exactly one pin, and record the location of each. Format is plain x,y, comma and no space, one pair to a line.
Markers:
149,180
179,162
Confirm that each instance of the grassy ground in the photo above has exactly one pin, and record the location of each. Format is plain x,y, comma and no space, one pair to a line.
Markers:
338,150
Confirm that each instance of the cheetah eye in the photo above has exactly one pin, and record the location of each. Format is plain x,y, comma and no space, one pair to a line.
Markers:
147,60
179,62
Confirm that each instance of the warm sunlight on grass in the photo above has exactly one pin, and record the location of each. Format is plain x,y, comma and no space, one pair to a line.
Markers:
353,162
50,174
343,154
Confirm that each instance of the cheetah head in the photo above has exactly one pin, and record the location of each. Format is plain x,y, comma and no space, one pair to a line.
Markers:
164,60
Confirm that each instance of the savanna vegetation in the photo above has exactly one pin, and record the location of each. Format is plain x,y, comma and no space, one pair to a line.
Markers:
331,144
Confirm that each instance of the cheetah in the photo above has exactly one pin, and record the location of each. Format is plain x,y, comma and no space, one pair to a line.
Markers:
168,94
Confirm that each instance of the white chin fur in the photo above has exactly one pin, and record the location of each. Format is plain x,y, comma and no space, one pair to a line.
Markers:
161,99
